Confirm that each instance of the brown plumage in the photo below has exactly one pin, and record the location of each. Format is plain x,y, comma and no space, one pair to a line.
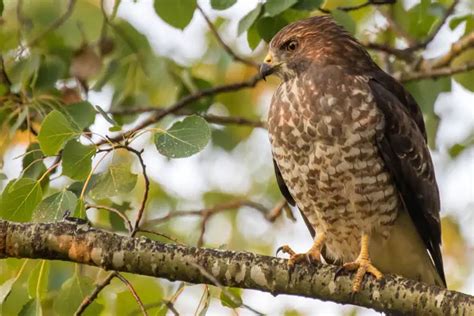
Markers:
349,148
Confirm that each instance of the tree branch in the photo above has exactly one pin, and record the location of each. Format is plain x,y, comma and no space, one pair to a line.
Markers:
180,104
75,242
437,72
223,44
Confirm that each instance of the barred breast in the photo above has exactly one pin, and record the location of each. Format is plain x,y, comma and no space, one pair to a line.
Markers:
325,147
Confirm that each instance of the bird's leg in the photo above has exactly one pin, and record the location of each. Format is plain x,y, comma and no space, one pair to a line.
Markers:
313,254
362,265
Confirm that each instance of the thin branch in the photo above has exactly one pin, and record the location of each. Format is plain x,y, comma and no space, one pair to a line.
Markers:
115,211
223,44
183,102
89,299
429,39
56,24
209,211
457,48
211,118
134,293
437,72
278,210
70,241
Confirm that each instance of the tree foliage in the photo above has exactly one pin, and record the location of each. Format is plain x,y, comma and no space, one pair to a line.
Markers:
93,159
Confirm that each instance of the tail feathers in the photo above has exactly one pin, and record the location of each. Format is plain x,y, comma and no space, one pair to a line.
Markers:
404,253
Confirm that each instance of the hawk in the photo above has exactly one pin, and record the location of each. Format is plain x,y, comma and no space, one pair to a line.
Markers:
350,151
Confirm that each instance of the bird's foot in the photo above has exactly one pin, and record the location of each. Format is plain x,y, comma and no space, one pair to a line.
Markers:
313,255
362,266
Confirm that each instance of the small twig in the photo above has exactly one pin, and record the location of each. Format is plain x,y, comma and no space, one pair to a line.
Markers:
276,211
437,72
134,293
400,53
155,117
115,211
216,282
429,39
223,44
209,211
148,231
147,186
211,118
57,23
89,299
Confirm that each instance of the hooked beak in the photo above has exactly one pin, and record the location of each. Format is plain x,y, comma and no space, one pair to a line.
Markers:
267,68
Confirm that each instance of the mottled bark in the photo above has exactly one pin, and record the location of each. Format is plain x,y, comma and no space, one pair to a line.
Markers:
74,242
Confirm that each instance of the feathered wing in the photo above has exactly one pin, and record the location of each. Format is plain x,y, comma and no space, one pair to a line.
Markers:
403,148
286,193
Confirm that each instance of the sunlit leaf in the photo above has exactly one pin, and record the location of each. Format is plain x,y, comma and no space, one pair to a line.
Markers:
38,280
5,289
222,4
107,117
71,295
83,113
19,199
177,13
275,7
231,297
184,138
249,19
32,163
116,180
32,308
53,207
55,131
77,160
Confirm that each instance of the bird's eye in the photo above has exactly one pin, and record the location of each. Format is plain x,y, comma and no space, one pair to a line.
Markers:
290,46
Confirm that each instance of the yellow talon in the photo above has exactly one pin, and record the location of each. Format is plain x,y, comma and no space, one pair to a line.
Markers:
313,254
362,265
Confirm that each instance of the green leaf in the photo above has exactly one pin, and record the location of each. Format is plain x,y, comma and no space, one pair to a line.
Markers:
469,18
80,211
33,165
177,13
55,131
222,4
71,295
38,280
53,207
83,114
1,7
267,27
246,22
116,180
32,308
253,38
345,20
106,116
77,160
19,199
308,5
184,138
50,70
275,7
231,297
5,289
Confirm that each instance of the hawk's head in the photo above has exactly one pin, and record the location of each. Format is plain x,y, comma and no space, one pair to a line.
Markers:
318,41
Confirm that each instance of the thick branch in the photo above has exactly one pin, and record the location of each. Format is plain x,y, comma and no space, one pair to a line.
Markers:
80,243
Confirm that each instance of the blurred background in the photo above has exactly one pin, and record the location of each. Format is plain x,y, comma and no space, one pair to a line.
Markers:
129,60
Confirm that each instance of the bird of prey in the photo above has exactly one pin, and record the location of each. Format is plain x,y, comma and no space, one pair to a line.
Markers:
350,151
